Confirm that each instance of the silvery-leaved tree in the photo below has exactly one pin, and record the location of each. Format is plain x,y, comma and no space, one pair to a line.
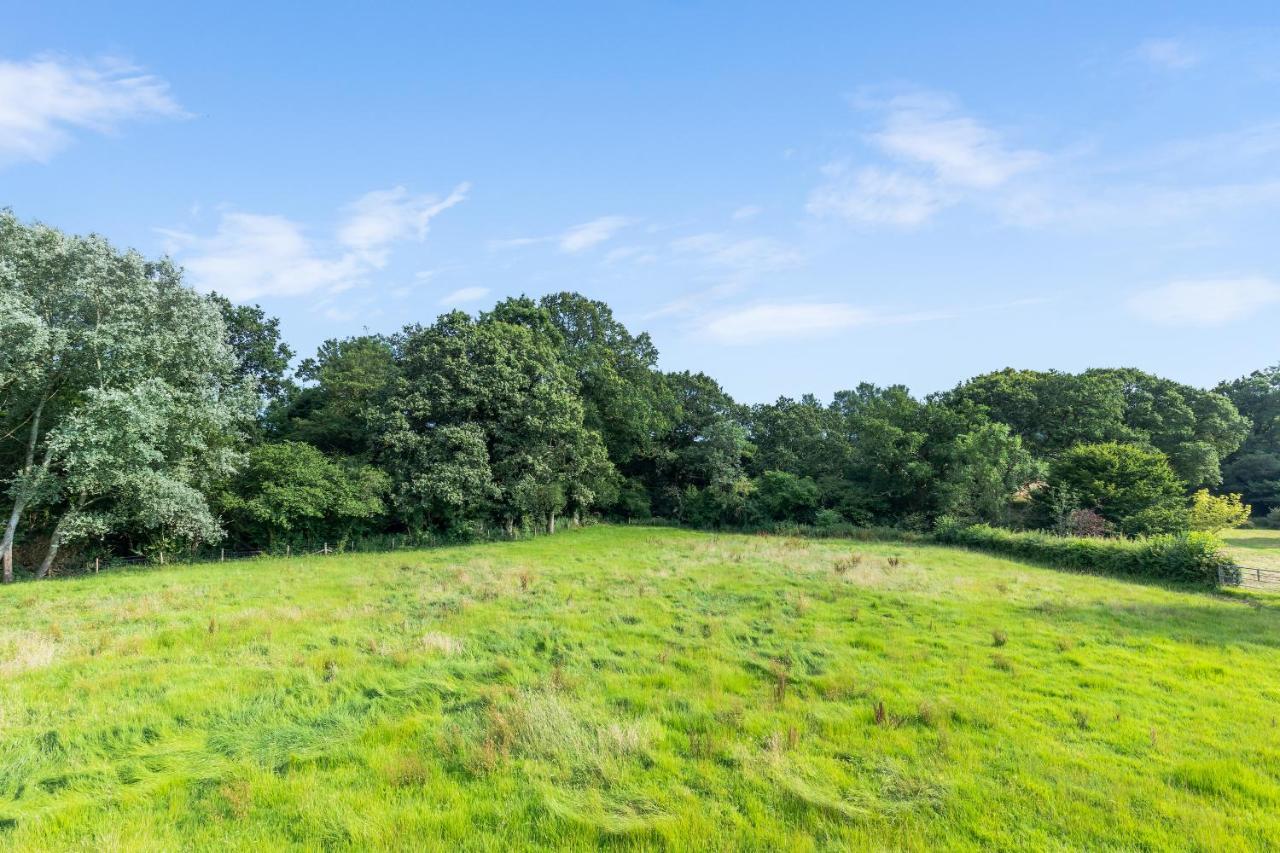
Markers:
121,405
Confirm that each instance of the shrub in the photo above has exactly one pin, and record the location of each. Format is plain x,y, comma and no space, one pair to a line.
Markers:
1086,522
828,519
1217,512
780,496
1182,557
1134,488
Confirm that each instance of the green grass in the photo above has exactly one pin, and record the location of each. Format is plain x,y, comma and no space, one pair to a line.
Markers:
1254,547
638,688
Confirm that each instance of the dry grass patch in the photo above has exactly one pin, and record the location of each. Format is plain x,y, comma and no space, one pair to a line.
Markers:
434,641
21,651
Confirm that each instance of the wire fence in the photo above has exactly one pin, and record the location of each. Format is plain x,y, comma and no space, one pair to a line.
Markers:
222,555
1250,577
362,545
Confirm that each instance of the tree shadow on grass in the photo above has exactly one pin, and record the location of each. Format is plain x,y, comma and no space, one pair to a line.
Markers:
1217,621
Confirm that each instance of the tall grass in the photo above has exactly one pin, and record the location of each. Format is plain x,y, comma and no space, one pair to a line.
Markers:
635,688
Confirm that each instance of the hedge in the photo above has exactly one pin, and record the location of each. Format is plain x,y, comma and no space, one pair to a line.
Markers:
1181,557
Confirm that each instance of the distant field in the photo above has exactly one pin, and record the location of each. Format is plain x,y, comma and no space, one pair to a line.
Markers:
1259,548
643,688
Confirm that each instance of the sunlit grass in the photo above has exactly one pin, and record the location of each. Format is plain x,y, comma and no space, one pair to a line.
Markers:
640,687
1254,547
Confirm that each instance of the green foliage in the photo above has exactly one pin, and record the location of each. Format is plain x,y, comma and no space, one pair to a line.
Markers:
1194,557
887,476
985,469
348,382
292,493
1254,470
780,496
121,404
1054,411
1133,488
261,356
1213,513
494,404
544,408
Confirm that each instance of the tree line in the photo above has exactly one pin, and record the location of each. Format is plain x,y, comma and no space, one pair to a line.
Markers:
139,416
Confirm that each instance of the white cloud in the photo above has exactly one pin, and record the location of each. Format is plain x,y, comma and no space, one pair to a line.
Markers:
579,238
753,254
42,101
1207,302
940,155
1167,53
382,217
572,240
253,255
774,321
465,295
750,211
928,130
878,197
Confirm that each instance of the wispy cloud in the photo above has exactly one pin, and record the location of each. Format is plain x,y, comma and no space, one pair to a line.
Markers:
253,255
379,218
579,238
877,197
45,100
464,295
771,321
749,211
940,156
573,240
929,131
1167,53
1205,302
750,254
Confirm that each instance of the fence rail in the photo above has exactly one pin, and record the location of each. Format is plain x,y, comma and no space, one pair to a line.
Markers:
1250,577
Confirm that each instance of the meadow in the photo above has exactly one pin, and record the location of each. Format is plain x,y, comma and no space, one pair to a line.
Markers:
637,688
1254,547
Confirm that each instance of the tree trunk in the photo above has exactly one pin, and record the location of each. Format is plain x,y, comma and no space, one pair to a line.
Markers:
510,526
20,500
56,541
551,522
577,517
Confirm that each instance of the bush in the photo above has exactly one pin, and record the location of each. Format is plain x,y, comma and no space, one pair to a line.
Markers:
1134,488
1217,512
828,519
780,496
1181,557
1086,522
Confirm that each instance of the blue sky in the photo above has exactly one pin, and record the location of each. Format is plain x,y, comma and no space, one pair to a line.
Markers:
791,197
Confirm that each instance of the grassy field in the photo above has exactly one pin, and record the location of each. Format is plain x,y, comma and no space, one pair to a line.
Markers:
1260,548
638,688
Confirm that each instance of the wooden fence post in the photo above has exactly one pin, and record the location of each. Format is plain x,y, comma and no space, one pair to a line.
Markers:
288,550
97,564
222,555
